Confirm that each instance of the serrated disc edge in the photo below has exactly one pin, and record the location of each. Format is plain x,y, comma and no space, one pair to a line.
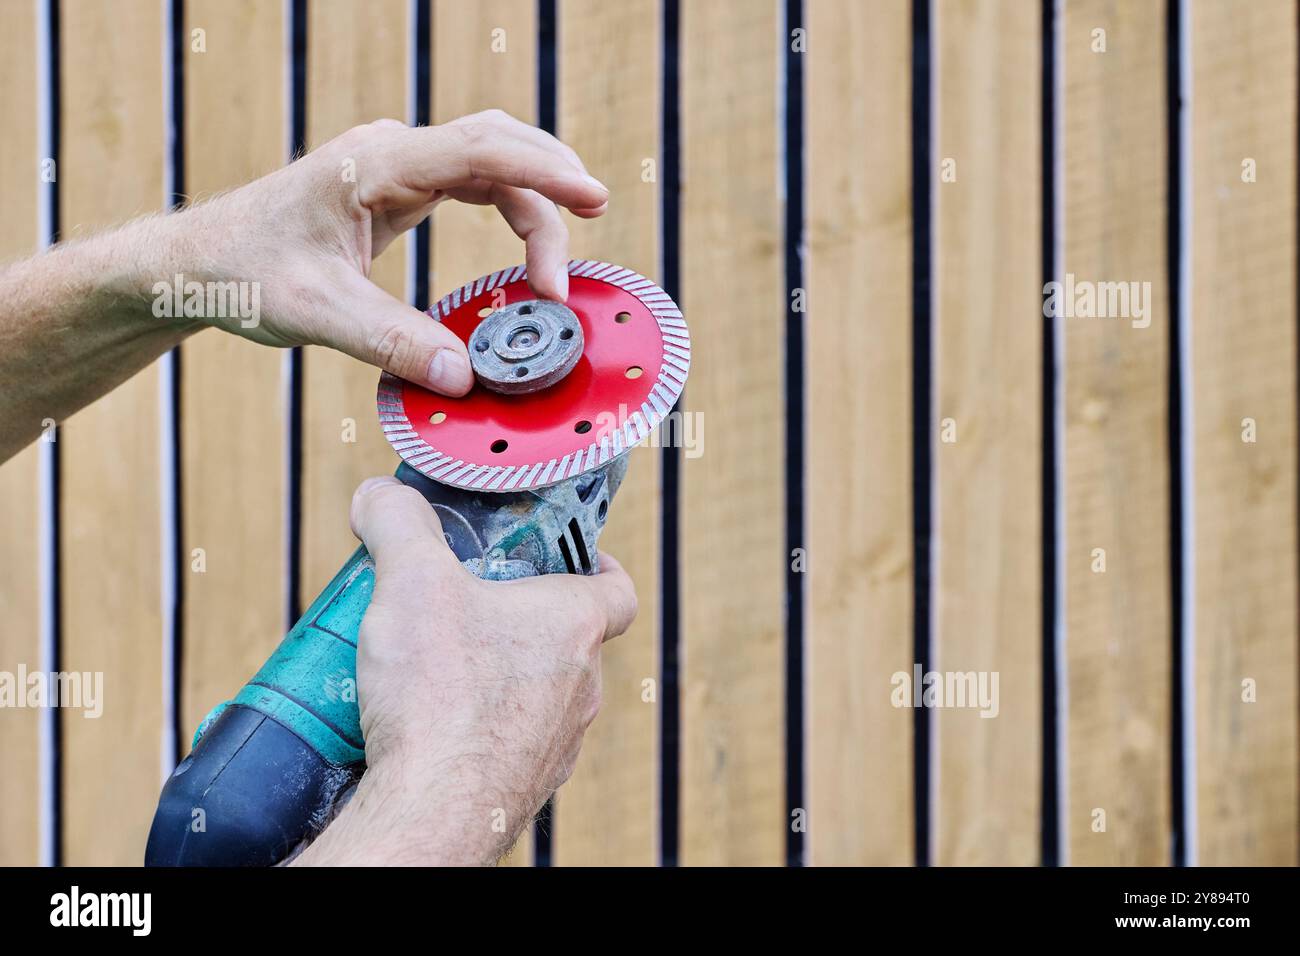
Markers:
674,366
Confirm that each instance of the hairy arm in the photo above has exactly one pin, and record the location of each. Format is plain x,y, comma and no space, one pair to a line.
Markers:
77,321
80,319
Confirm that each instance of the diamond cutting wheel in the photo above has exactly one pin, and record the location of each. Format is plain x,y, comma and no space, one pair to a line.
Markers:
636,352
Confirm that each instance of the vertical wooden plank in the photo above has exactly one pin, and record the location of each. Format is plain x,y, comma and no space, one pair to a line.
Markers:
233,427
484,57
19,588
112,132
988,359
609,111
1243,340
1116,481
357,71
733,563
859,414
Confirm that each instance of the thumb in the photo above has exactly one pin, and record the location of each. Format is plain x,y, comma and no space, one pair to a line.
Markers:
397,526
615,594
375,327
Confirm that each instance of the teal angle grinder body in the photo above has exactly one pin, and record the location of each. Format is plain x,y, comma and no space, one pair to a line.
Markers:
521,473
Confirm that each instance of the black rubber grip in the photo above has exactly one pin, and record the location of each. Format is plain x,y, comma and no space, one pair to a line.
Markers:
245,796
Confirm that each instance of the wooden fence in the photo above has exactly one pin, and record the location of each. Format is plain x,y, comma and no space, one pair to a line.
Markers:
858,203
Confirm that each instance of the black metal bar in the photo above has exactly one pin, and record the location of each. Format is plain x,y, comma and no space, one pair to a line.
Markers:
423,117
793,144
1049,832
544,826
295,463
921,412
177,542
670,463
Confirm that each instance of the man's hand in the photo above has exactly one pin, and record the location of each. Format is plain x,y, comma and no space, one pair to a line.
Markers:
309,232
80,319
474,694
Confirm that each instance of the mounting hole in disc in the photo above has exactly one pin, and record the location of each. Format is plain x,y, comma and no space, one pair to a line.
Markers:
500,445
437,418
633,372
582,427
623,317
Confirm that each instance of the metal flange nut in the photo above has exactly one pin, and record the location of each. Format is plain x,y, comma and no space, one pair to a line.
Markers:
526,346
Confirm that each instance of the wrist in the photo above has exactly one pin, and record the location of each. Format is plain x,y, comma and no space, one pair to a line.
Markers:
122,274
167,276
394,820
179,272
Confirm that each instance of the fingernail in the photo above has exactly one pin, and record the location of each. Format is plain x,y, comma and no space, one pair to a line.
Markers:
562,282
593,181
449,372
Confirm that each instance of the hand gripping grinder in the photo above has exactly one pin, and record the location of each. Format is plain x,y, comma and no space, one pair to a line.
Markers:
521,472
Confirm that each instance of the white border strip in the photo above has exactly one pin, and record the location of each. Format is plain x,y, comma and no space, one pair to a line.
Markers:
46,545
288,380
412,98
168,454
1187,431
932,549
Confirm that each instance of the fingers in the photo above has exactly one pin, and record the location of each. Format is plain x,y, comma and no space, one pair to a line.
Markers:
397,525
538,137
591,213
373,326
420,162
615,595
503,156
535,220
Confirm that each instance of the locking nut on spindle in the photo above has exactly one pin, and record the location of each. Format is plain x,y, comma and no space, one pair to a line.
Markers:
526,346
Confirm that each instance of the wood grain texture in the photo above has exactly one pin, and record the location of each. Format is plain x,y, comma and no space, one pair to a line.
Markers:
20,643
609,111
112,133
233,409
988,363
1116,481
732,496
858,420
1243,339
357,72
468,76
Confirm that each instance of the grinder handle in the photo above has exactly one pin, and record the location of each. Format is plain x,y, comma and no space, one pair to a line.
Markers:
267,766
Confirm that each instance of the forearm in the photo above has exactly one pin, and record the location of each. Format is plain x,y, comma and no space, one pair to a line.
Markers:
77,321
394,820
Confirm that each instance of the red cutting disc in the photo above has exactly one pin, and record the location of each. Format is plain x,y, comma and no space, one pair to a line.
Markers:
635,358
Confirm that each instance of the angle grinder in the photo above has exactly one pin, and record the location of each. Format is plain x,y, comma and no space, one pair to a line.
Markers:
521,472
